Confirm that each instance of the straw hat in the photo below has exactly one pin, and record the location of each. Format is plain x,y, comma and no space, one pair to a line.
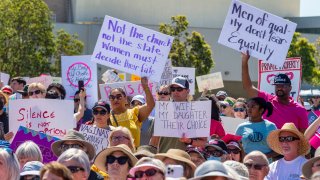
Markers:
307,167
73,135
100,160
178,155
274,144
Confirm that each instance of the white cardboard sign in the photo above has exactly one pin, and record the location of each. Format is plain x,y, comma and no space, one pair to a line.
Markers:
265,35
4,78
291,67
50,116
188,73
210,81
131,48
230,124
166,76
75,68
173,119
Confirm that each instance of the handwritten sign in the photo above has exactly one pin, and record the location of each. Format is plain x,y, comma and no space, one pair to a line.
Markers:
42,140
265,35
50,116
45,80
230,124
291,67
172,119
4,78
188,73
166,76
311,117
210,81
132,49
131,88
96,136
76,68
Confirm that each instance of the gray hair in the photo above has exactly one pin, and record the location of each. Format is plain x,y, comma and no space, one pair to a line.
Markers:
125,131
11,163
238,167
257,154
29,149
77,155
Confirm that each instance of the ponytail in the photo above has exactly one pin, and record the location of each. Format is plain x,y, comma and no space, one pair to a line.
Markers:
269,107
263,104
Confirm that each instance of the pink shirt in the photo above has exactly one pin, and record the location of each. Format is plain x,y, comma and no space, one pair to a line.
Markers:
293,112
217,128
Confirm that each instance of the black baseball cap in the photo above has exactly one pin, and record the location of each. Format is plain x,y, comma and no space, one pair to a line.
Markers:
102,104
281,79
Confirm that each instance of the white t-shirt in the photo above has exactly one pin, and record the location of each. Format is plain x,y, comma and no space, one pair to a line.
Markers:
286,170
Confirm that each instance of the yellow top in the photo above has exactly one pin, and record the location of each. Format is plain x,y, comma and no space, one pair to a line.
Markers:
129,119
95,169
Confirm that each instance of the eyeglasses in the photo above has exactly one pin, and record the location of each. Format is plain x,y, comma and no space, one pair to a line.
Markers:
102,112
112,97
179,89
287,138
65,147
76,100
35,92
118,138
148,172
216,153
75,169
234,151
239,109
163,93
35,177
255,166
121,160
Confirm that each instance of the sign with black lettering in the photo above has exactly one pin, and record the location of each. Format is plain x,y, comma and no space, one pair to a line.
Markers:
187,72
131,48
98,137
264,35
173,119
291,67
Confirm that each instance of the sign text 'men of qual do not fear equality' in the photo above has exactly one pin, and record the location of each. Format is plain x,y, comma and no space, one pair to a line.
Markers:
132,49
264,35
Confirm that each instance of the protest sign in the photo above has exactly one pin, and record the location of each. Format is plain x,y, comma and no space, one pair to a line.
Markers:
311,117
166,76
188,73
230,124
291,67
96,136
173,119
131,88
4,78
45,80
210,81
76,68
50,116
264,35
132,49
42,140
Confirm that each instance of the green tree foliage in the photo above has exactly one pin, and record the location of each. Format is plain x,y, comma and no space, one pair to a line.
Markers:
301,47
27,41
188,50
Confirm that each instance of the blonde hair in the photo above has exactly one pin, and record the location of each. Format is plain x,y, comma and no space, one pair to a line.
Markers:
125,131
57,169
6,98
11,163
39,86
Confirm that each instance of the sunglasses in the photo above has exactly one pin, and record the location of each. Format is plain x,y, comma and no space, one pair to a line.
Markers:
215,153
121,160
233,151
255,166
287,138
119,138
76,100
179,89
75,169
35,177
35,92
223,106
148,172
65,147
112,97
163,93
102,112
239,109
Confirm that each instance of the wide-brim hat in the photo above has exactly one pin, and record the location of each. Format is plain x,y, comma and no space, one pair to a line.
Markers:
73,135
307,166
212,168
100,160
178,155
274,143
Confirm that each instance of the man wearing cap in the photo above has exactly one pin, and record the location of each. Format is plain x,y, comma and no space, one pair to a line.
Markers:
285,109
221,95
179,89
291,143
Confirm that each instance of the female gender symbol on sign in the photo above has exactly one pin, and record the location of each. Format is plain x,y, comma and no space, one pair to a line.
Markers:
78,71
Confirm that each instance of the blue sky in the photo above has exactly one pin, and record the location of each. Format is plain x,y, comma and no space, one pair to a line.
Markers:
309,7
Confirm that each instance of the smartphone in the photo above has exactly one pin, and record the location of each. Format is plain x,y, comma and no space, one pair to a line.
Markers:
1,131
174,171
80,85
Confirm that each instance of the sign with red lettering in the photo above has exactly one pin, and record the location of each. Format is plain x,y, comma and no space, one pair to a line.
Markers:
131,88
291,67
132,49
76,68
50,116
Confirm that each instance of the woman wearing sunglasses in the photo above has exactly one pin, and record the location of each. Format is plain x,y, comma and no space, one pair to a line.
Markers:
255,131
130,118
36,91
240,110
121,135
101,115
148,168
116,161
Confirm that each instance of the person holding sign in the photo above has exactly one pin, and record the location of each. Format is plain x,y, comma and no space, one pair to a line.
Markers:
285,108
101,115
130,118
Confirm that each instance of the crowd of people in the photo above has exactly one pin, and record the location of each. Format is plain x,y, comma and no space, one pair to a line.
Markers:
274,143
